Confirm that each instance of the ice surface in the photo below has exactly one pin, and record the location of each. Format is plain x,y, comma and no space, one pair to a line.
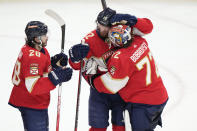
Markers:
173,44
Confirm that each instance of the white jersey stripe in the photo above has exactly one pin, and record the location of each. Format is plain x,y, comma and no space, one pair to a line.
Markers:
45,74
113,85
137,32
30,82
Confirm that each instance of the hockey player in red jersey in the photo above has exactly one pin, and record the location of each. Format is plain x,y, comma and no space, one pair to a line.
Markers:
34,77
95,52
133,74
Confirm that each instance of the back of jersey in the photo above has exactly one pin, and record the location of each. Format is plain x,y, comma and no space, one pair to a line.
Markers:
31,85
145,84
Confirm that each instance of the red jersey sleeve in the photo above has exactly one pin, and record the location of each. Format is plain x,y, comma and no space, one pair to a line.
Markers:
87,40
117,76
74,65
143,26
36,66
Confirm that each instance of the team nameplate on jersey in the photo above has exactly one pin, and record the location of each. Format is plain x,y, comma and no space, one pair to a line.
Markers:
34,69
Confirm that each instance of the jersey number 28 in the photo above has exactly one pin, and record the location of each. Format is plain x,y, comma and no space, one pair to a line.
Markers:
16,79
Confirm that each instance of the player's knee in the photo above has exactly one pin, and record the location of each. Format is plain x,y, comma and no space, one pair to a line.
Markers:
97,129
118,128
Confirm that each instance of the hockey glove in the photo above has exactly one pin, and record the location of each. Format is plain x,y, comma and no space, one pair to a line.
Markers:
60,59
125,19
60,75
78,52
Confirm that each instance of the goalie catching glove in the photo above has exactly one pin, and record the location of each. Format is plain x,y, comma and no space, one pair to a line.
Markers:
90,67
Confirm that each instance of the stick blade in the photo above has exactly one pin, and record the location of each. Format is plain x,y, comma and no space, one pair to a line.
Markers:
55,16
127,121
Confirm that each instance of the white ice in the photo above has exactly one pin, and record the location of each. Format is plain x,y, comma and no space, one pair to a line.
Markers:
172,42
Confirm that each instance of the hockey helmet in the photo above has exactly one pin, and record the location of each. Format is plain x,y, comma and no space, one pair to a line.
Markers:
34,29
104,16
120,35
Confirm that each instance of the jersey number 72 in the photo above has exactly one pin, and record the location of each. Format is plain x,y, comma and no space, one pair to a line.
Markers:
146,60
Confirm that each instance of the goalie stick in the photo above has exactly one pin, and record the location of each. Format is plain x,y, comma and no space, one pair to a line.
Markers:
61,22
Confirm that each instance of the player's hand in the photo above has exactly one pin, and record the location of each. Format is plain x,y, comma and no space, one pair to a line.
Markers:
60,59
78,52
60,75
125,19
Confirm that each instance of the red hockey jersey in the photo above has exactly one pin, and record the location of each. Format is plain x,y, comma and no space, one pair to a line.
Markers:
100,50
132,72
30,78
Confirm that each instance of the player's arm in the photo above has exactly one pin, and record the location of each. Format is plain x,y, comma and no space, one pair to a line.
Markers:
37,85
77,53
115,79
36,77
76,65
142,26
80,51
39,82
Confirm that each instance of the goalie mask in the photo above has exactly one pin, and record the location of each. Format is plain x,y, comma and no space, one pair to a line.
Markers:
120,35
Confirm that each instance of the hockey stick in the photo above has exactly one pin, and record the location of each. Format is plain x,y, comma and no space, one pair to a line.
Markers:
61,22
104,4
127,121
79,82
78,97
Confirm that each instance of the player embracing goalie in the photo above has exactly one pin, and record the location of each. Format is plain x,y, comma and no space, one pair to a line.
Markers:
118,62
133,74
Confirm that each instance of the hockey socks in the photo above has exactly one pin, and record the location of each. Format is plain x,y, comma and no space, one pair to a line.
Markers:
97,129
114,128
118,128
